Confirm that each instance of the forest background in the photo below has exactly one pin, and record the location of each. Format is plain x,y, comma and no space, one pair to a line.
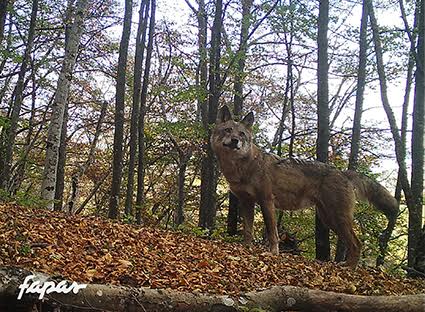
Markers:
106,108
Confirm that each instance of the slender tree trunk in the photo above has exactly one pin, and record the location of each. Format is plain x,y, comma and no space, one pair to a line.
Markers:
202,71
93,192
3,13
409,79
394,129
358,110
232,217
415,214
322,231
6,155
184,157
135,112
119,112
208,203
361,83
61,97
140,196
75,186
60,178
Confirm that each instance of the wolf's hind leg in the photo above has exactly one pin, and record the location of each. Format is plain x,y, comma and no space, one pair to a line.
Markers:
346,233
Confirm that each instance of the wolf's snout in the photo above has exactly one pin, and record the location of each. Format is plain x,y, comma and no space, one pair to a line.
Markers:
233,144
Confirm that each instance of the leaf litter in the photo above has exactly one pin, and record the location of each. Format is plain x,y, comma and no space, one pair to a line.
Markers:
96,250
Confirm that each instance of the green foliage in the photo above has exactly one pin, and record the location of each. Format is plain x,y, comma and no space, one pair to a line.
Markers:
128,218
4,122
23,199
25,250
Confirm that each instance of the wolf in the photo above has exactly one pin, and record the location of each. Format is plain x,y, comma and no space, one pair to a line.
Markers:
257,177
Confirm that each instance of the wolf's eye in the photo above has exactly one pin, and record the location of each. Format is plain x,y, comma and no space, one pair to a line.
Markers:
242,134
228,130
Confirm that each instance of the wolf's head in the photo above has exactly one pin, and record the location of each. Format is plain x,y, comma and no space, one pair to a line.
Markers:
232,138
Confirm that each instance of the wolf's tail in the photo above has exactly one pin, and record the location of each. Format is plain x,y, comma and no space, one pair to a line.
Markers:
369,190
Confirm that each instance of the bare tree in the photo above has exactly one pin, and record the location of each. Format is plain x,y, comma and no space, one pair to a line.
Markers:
119,112
6,149
3,13
137,82
232,217
61,97
140,196
208,207
416,236
322,231
413,228
60,177
358,110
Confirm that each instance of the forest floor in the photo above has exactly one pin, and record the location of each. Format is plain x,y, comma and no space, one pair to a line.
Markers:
95,250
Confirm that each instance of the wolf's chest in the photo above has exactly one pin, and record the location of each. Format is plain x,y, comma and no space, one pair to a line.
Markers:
243,190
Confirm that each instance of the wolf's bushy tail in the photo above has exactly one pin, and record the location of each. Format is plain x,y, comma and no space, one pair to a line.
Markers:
369,190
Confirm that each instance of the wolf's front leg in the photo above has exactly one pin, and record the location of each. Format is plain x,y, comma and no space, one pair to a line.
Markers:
247,214
267,208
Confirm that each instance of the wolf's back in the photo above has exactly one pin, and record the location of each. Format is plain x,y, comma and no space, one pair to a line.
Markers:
373,192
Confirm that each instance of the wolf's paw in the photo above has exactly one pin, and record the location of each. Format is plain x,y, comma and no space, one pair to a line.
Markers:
274,250
346,264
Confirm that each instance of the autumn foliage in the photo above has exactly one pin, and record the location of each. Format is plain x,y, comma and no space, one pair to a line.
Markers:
95,250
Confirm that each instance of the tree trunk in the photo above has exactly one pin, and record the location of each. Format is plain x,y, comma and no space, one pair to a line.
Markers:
75,186
60,178
207,211
184,158
59,103
120,298
119,112
322,231
394,129
361,83
415,214
358,110
93,192
202,70
412,34
140,196
232,217
3,13
6,154
135,112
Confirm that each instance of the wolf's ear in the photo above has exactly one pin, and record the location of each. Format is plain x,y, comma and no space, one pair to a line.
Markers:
223,115
248,120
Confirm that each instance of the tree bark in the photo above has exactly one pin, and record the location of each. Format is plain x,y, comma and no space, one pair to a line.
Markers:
322,231
232,217
361,83
75,192
93,192
415,214
135,112
202,70
278,298
61,97
140,196
412,34
3,13
119,112
207,211
358,110
60,178
6,152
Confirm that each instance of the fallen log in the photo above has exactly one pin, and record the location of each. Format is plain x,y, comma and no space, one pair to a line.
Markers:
98,297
